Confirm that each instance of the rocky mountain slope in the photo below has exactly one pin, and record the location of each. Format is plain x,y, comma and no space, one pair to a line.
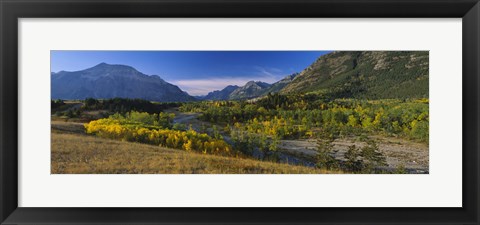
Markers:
366,74
110,81
279,85
220,94
251,89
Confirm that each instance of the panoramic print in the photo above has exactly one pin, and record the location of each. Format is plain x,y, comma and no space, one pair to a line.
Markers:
239,112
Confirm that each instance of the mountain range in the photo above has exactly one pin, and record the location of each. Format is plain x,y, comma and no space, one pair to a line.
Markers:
343,74
220,94
352,74
251,89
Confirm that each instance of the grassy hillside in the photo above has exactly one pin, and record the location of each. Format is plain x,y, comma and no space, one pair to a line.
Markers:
368,74
82,154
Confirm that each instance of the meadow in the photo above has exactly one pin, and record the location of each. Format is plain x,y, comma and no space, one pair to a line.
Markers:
74,152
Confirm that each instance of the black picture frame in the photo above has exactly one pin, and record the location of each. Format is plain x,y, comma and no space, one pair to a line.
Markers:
12,10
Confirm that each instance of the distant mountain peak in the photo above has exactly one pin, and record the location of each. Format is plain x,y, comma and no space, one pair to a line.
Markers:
110,81
101,65
251,89
260,84
220,94
104,65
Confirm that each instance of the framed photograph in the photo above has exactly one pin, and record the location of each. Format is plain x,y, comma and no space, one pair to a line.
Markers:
239,112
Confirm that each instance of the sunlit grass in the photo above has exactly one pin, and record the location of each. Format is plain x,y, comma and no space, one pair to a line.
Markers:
80,154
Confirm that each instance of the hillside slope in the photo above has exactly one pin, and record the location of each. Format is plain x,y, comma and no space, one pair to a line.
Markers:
366,74
279,85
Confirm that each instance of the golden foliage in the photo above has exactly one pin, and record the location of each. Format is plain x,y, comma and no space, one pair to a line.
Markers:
187,140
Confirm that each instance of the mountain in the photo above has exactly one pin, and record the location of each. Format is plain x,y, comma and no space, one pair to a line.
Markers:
279,85
110,81
251,89
366,74
222,94
342,74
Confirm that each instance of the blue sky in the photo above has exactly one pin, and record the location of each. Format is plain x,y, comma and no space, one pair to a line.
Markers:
197,72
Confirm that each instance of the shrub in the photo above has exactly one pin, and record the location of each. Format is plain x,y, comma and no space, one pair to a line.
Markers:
137,132
325,158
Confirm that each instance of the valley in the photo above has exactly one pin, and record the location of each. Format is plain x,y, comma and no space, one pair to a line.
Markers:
348,112
411,155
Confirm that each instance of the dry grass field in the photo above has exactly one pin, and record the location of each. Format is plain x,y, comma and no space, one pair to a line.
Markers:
76,153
